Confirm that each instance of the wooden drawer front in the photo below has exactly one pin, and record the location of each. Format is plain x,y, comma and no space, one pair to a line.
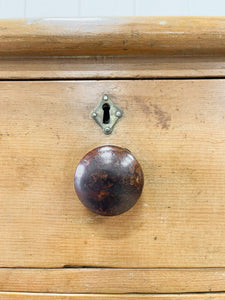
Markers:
176,130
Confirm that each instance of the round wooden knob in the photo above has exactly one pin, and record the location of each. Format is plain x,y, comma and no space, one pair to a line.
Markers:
109,180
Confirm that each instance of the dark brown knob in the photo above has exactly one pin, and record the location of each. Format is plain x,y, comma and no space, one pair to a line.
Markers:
109,180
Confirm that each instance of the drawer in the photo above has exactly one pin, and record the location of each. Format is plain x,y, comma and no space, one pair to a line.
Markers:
174,128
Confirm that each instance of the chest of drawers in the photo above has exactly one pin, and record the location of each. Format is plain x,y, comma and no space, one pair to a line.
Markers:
167,77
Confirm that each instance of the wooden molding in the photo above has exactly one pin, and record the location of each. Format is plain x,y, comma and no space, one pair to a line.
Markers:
48,296
112,281
113,36
112,67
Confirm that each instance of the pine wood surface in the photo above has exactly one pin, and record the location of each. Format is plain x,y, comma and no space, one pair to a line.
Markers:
113,36
172,242
174,128
109,67
41,296
112,281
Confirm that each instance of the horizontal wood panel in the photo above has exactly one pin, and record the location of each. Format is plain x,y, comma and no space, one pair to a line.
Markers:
112,281
30,296
113,67
113,36
176,129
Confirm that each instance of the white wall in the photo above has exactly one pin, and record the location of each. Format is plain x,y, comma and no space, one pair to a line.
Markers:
94,8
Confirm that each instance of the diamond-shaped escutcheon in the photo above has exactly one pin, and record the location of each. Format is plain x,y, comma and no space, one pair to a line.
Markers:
106,114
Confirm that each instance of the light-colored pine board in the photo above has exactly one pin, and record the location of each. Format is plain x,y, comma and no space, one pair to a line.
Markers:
205,8
32,296
113,36
112,281
112,67
97,8
12,8
51,8
176,130
162,8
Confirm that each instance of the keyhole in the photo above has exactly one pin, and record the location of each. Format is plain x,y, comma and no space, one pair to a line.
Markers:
106,114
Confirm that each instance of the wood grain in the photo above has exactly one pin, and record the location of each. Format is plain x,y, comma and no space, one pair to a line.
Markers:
112,281
175,129
113,36
31,296
113,67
